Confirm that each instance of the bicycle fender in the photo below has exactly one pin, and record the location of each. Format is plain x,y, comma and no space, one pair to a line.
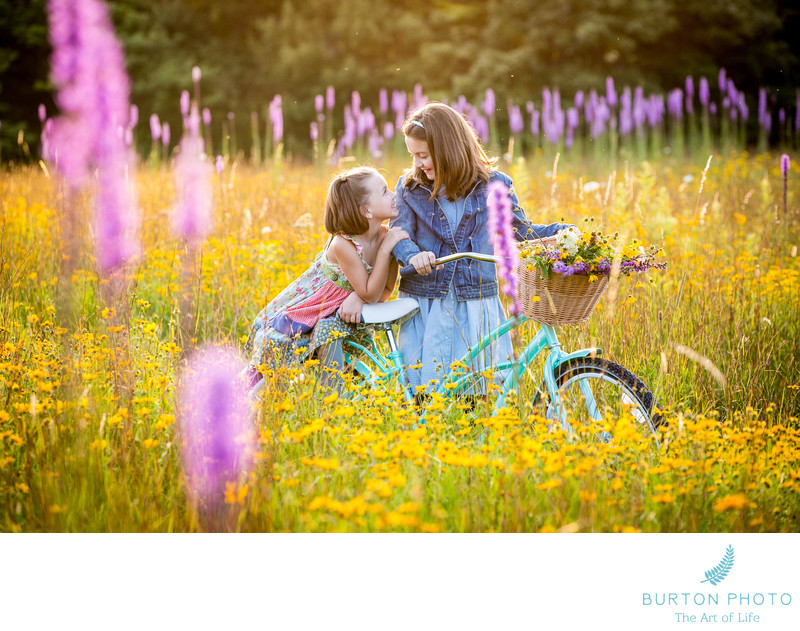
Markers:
584,352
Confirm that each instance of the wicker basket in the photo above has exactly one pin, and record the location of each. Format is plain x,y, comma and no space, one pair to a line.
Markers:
563,300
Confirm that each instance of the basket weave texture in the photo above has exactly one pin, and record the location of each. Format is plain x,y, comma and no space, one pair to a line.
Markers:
562,300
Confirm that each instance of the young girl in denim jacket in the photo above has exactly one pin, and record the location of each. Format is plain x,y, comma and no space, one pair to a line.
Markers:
441,202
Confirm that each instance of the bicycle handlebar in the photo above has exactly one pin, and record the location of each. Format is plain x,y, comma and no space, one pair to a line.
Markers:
410,270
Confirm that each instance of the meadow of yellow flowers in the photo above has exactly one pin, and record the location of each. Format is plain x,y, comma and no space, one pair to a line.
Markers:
88,432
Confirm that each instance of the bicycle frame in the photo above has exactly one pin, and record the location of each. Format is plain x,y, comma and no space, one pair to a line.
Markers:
545,338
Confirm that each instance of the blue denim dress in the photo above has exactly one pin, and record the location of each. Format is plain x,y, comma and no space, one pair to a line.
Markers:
444,328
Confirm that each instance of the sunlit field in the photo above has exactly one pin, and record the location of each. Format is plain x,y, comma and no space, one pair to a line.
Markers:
89,431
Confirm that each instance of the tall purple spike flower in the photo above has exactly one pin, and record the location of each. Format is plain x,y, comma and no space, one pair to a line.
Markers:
276,117
501,234
92,92
166,136
155,127
675,103
186,100
703,91
383,101
611,94
689,94
218,438
489,104
515,121
191,218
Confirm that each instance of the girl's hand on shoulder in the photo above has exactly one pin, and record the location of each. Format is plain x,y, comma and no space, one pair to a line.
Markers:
350,311
394,236
423,262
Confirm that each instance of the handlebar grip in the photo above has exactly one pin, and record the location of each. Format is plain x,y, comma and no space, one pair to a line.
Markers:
408,270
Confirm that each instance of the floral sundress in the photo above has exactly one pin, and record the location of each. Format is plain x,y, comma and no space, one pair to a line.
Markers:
303,315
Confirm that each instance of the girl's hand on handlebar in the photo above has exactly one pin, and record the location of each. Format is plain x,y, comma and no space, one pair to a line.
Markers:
350,311
423,262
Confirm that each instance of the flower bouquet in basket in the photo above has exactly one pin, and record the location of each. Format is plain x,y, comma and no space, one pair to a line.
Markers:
562,278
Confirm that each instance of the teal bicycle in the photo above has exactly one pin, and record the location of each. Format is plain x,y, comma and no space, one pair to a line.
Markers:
575,388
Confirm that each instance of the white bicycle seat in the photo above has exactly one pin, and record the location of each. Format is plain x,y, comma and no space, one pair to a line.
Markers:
391,311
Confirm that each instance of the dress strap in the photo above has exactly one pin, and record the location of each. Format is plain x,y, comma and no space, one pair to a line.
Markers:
352,240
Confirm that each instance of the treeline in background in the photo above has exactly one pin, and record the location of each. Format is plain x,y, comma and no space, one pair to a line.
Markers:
313,78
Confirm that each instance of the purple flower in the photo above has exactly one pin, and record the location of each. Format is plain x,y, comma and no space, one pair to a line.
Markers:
388,130
313,131
165,134
191,217
488,105
116,220
762,104
515,122
206,117
784,165
92,92
155,127
611,95
535,115
675,103
383,101
319,103
185,100
374,142
42,113
722,80
703,91
217,435
689,94
220,164
330,97
501,234
276,117
196,74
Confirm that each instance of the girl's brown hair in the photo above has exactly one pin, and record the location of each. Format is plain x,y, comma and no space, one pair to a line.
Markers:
459,160
346,195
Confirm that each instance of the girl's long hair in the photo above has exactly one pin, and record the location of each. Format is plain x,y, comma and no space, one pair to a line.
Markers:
459,160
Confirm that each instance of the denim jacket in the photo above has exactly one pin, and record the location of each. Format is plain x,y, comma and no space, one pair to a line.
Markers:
425,222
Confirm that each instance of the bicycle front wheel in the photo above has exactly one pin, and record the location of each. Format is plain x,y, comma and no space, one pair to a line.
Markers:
592,389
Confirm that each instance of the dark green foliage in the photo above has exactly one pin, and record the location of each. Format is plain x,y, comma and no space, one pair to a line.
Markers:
250,51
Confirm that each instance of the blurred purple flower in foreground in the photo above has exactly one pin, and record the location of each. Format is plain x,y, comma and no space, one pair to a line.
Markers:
191,218
501,234
218,437
92,92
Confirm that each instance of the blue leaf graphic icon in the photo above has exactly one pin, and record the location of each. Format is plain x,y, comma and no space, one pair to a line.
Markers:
718,573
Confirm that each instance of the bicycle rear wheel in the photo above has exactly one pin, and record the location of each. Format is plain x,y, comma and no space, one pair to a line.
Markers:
592,389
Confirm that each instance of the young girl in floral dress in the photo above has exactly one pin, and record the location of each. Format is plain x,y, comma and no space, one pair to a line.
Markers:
354,267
